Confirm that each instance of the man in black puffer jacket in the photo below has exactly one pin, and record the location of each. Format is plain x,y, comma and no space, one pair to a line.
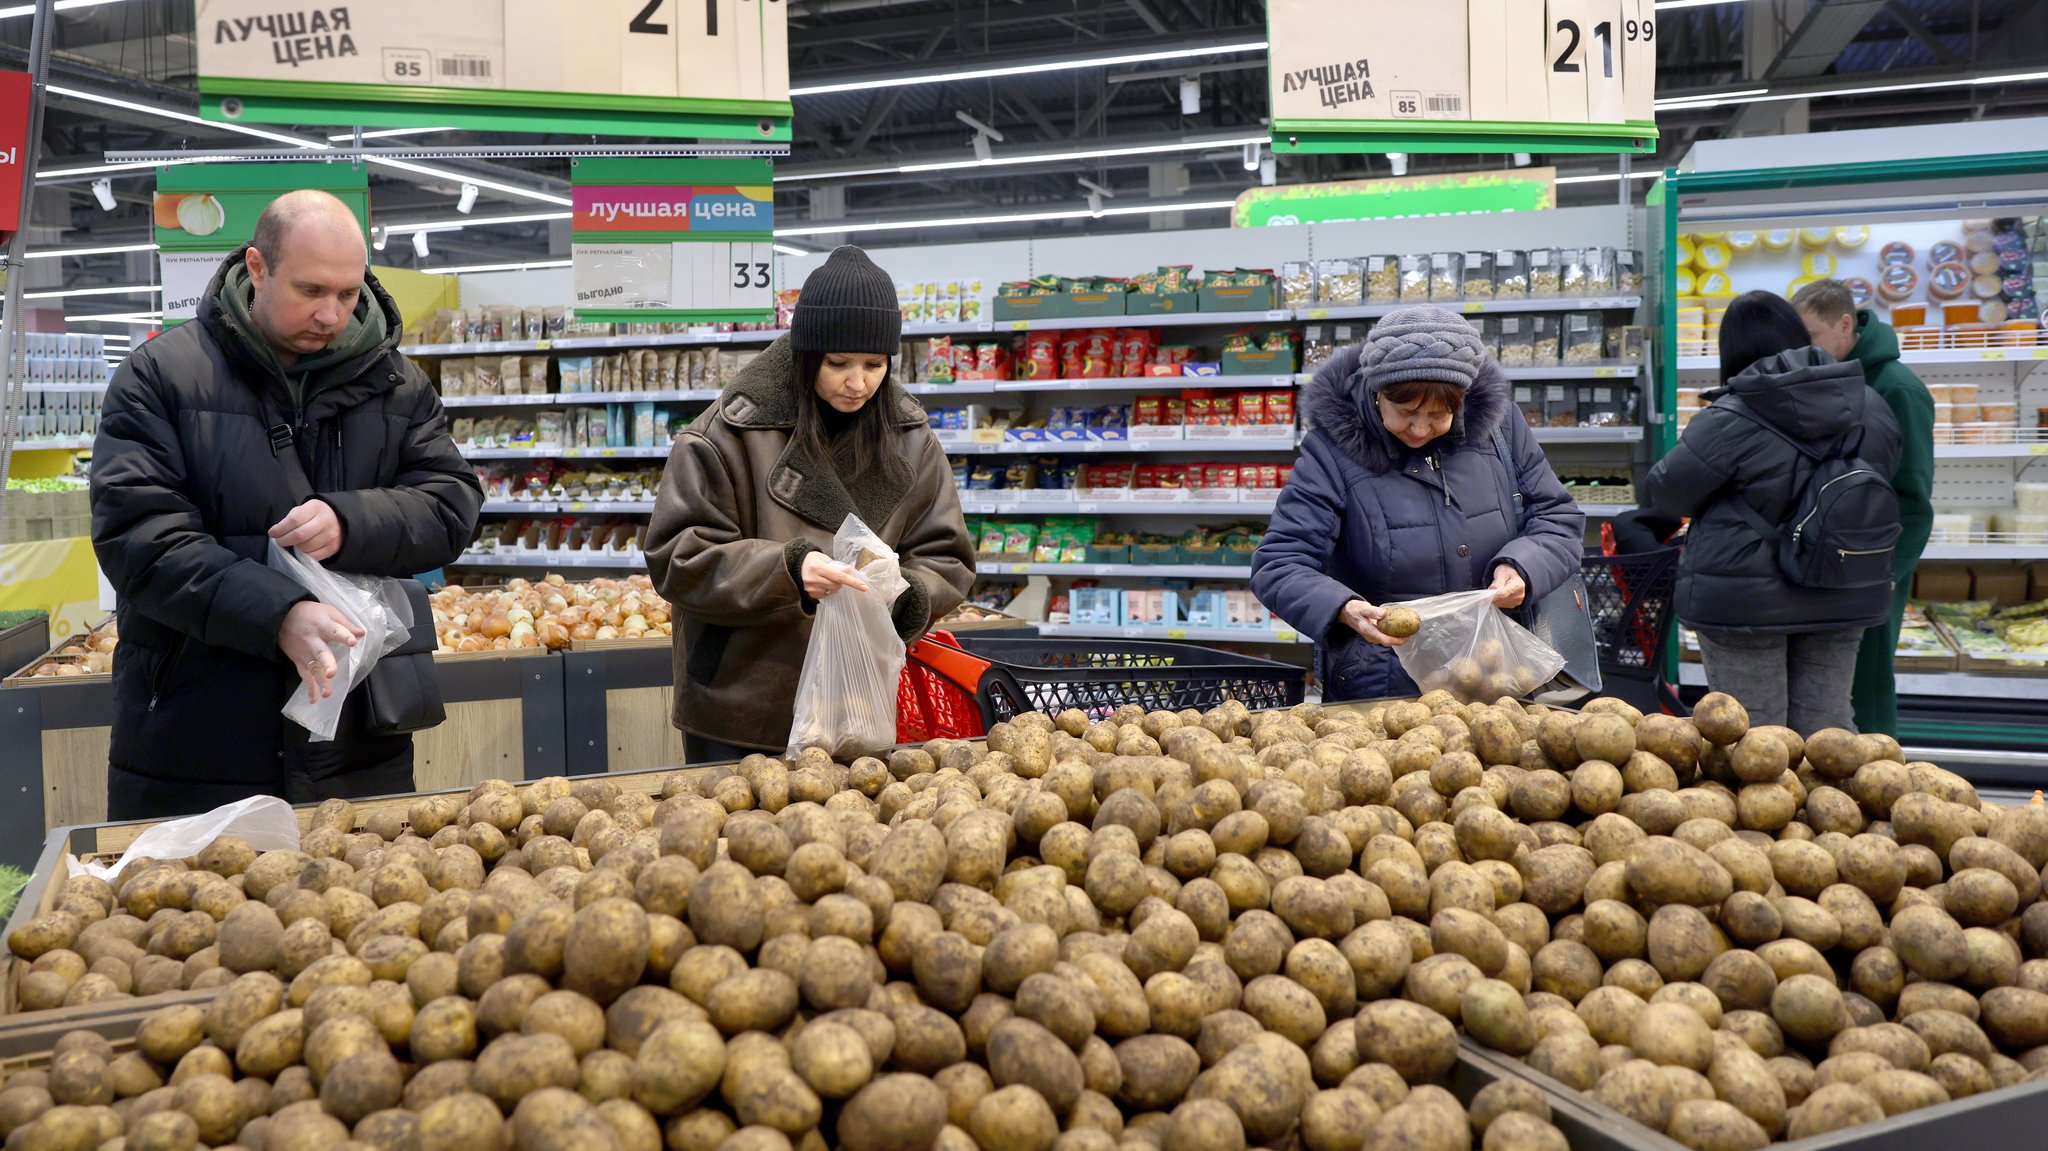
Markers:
187,495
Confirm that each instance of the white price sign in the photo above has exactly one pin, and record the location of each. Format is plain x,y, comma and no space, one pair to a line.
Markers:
186,276
692,277
688,49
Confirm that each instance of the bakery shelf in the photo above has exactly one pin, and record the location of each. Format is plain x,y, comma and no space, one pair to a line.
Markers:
565,453
1186,634
1089,571
525,559
568,507
551,399
1478,307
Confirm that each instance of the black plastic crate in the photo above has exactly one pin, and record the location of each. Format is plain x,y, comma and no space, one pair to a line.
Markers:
1099,676
1629,597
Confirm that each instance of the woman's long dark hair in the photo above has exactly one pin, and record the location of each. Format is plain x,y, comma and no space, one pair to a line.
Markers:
1757,326
869,446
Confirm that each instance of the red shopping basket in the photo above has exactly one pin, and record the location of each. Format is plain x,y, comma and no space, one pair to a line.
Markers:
935,697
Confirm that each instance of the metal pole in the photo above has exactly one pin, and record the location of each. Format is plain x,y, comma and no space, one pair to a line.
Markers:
14,385
1624,180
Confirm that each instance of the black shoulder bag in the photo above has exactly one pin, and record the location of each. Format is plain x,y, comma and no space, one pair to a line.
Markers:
403,691
1563,619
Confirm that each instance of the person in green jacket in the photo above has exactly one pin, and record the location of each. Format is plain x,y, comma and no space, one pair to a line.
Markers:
1847,332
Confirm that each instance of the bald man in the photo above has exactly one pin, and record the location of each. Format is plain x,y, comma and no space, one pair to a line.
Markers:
294,353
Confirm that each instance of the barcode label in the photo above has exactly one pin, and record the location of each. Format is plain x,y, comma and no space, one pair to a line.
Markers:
1447,103
465,67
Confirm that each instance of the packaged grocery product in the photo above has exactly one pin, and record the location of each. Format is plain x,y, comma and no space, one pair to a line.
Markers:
1280,409
939,368
1995,312
1585,337
1896,282
1959,312
1948,280
485,379
1860,290
1820,265
1382,279
1714,284
1339,283
1315,349
1985,263
1478,274
1446,275
1135,347
1545,273
1909,315
1415,279
1814,239
1251,409
1944,252
1711,256
1041,356
1850,237
1071,362
1297,284
1561,405
1685,282
1528,398
1510,274
1684,251
1544,339
1628,271
1603,406
1985,287
1517,347
1778,240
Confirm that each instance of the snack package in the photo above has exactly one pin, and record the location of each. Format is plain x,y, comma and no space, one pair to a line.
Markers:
1545,273
1517,341
1510,275
1446,275
1415,279
1340,283
1382,279
1544,340
1297,284
1478,281
1585,338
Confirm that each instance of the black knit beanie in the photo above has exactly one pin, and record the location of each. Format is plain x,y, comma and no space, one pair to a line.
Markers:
847,305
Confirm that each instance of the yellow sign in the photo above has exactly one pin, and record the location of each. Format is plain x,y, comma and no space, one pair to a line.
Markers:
59,576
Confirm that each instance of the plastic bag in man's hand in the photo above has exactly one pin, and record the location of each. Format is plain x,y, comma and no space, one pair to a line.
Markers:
1471,649
372,603
846,696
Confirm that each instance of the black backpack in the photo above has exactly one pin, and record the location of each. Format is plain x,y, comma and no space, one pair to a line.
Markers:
1844,527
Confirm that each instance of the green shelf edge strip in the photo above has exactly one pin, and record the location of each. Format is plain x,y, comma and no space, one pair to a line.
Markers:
1869,172
689,121
1330,136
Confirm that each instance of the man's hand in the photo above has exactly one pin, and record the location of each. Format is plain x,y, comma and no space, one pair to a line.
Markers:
307,630
824,575
1364,619
1508,588
312,528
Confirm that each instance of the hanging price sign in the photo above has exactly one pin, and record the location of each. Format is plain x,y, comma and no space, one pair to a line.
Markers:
680,68
1463,75
673,240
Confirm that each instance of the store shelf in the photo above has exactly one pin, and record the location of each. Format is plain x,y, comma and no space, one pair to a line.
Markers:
1935,683
54,444
590,343
1479,307
1986,551
1935,358
1587,435
1164,320
1138,384
1145,571
989,503
67,389
570,507
565,453
1605,511
1180,634
554,399
523,559
956,443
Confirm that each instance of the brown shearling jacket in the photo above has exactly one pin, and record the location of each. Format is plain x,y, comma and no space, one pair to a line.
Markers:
740,505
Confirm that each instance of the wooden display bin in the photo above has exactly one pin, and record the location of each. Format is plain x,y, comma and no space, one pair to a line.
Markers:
504,721
617,699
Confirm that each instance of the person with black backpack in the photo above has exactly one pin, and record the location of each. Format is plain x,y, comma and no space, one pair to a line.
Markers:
1786,476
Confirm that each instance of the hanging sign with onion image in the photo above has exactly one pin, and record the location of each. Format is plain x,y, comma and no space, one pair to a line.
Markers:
195,213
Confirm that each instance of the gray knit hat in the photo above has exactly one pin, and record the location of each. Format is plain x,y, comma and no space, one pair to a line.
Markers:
1422,343
847,305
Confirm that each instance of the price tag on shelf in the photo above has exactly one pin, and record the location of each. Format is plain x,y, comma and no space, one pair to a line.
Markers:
1993,354
1176,633
1280,315
1020,325
543,345
1473,308
1017,569
1285,636
1605,373
607,451
2037,449
1319,313
2041,353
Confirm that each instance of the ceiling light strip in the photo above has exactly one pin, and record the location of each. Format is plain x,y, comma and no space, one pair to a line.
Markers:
111,249
1015,218
118,290
1031,158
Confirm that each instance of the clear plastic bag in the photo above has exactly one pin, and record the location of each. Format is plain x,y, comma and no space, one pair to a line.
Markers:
846,696
1470,649
377,604
265,821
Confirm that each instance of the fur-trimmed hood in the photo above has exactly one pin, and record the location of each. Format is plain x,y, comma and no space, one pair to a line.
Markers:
1339,402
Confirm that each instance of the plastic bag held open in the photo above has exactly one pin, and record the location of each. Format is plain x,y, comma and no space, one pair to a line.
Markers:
1471,649
377,604
846,696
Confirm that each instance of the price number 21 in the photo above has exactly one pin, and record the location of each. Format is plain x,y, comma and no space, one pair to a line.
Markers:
1643,31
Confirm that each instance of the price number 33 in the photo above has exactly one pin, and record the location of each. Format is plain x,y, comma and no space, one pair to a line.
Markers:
1644,31
749,274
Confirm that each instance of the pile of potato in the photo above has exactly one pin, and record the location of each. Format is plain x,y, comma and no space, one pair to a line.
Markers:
549,614
1158,932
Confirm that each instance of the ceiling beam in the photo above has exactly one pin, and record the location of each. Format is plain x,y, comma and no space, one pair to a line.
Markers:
1918,31
1145,12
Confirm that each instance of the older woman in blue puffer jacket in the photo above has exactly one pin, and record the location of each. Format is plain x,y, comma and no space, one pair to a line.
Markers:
1408,487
